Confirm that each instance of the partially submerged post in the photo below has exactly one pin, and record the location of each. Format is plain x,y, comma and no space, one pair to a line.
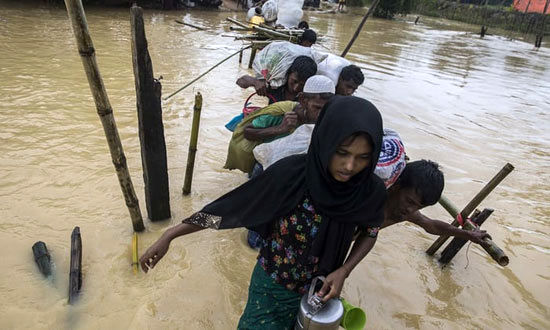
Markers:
75,270
193,144
472,205
483,18
135,263
104,109
488,245
457,243
42,258
538,38
356,34
151,129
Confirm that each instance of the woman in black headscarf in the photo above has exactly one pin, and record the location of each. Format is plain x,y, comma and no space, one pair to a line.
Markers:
307,208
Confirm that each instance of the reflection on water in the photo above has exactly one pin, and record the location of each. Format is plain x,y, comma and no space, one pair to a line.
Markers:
471,104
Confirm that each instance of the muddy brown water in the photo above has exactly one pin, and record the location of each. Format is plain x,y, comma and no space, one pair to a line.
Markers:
470,104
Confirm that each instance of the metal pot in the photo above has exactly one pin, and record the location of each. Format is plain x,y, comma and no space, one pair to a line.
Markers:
316,315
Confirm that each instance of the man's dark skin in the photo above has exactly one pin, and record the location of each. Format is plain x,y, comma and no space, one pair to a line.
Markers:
294,85
306,112
346,87
403,204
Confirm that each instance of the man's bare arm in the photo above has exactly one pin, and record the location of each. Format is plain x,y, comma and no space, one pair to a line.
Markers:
249,81
437,227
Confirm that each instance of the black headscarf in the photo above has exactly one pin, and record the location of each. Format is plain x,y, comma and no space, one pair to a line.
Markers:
343,205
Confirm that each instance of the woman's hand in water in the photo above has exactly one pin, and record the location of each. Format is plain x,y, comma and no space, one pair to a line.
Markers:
153,254
332,287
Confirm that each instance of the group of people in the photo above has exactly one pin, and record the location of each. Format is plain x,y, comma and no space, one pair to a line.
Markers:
319,190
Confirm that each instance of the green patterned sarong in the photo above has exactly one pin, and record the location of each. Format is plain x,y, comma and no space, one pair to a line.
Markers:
270,305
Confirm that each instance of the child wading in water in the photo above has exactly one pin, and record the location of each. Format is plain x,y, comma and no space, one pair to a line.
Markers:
307,208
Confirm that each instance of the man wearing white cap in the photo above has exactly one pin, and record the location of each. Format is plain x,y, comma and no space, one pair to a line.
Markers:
277,120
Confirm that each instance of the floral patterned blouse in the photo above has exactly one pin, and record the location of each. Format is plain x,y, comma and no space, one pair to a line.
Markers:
285,253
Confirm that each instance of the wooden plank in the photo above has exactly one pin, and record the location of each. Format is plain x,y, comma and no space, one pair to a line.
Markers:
151,128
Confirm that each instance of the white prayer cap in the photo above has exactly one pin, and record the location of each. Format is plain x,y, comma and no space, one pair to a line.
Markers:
319,84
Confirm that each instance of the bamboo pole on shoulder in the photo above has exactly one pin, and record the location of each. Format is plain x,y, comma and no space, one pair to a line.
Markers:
484,192
104,109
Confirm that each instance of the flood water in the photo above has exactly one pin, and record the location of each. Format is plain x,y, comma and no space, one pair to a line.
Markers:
472,105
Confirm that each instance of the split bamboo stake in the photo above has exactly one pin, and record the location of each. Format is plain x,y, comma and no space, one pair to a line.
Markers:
488,245
472,205
193,144
356,34
205,73
103,106
135,263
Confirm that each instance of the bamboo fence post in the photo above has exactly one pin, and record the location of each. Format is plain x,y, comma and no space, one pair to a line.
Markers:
356,34
75,270
151,129
204,73
104,109
456,244
193,144
252,56
42,258
472,205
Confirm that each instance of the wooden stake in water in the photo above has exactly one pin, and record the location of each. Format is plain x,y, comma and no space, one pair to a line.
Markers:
193,144
75,268
135,262
104,109
151,128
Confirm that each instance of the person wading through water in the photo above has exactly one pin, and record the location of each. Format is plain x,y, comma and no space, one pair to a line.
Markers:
307,208
299,72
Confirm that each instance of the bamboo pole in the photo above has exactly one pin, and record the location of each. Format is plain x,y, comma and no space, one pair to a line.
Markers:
252,56
472,205
206,72
272,33
75,268
232,20
191,25
135,262
488,245
456,244
193,144
356,34
104,110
